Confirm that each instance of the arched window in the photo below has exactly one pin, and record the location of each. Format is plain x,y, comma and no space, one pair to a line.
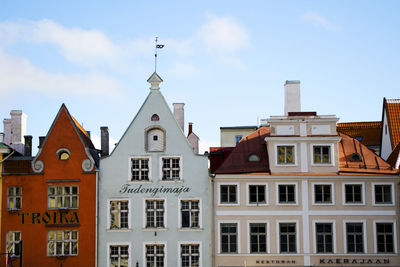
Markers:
63,153
155,117
253,158
155,140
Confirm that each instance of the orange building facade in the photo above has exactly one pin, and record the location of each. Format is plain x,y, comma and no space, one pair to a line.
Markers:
49,201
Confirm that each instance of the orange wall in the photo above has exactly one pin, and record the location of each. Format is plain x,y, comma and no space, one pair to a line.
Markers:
34,199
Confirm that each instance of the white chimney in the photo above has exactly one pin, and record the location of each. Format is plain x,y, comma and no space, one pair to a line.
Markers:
292,97
7,131
179,114
193,139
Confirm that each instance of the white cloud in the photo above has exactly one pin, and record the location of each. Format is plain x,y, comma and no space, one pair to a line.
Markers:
183,69
20,74
319,20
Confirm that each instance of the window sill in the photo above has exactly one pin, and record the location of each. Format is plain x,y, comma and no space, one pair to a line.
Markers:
383,205
154,229
139,181
229,204
190,229
354,204
287,204
119,230
13,210
63,208
257,204
172,181
323,204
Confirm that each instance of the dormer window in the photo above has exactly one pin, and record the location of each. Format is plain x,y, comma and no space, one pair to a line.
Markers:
285,154
155,140
355,157
253,158
63,154
322,154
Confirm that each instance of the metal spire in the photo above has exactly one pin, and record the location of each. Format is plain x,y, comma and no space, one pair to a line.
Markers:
158,46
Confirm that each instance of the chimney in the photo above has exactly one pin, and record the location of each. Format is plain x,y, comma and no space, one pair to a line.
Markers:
88,134
1,137
7,131
292,97
193,139
190,128
104,141
28,146
41,141
179,114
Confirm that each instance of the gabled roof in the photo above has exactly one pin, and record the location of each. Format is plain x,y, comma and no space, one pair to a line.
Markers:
392,108
394,156
369,131
253,144
237,162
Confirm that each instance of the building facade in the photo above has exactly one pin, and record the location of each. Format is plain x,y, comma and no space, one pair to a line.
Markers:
154,193
297,193
49,201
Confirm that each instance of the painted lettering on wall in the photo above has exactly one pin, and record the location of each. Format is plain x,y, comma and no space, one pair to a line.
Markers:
50,217
354,261
153,191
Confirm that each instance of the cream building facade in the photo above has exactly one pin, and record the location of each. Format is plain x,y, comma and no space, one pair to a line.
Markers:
297,193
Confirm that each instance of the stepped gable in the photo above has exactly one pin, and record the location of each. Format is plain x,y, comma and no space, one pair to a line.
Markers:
354,157
238,159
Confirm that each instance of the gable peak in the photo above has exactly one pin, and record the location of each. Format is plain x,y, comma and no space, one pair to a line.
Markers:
155,81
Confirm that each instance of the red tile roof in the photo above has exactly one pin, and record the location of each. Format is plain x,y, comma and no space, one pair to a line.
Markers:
392,107
392,159
369,131
237,161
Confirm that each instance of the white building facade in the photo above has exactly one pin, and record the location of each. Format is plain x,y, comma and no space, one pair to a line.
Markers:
154,194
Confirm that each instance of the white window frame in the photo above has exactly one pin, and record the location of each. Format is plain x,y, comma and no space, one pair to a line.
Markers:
395,252
155,243
237,195
219,236
332,163
14,197
190,243
373,194
248,194
294,153
14,242
63,196
365,244
130,167
296,192
118,244
344,193
62,255
109,215
180,168
313,184
333,222
200,214
278,237
267,222
145,215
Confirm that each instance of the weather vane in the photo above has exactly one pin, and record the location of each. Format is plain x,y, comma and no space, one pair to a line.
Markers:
158,46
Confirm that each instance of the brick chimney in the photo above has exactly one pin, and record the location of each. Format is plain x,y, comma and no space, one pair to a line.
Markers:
41,141
193,139
292,97
179,114
104,141
28,146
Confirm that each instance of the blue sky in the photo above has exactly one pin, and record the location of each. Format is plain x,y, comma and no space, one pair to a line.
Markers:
226,60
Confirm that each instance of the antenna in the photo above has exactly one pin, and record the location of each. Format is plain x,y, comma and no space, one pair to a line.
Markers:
158,46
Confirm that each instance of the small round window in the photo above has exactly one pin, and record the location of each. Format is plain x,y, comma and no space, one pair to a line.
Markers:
63,154
155,117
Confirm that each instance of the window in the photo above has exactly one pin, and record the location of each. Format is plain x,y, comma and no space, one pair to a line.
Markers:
287,232
14,197
287,193
385,237
63,197
253,158
139,169
257,194
171,168
119,214
62,243
324,237
285,155
353,193
258,238
323,193
228,194
155,117
155,213
229,238
355,237
383,193
12,245
119,255
155,256
190,255
322,154
63,153
238,138
190,211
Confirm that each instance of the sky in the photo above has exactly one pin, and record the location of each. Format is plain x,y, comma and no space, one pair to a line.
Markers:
226,60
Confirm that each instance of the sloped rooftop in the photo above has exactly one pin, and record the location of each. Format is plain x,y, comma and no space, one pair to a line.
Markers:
369,131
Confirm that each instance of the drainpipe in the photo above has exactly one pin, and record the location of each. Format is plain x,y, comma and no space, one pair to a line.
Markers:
97,220
212,177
